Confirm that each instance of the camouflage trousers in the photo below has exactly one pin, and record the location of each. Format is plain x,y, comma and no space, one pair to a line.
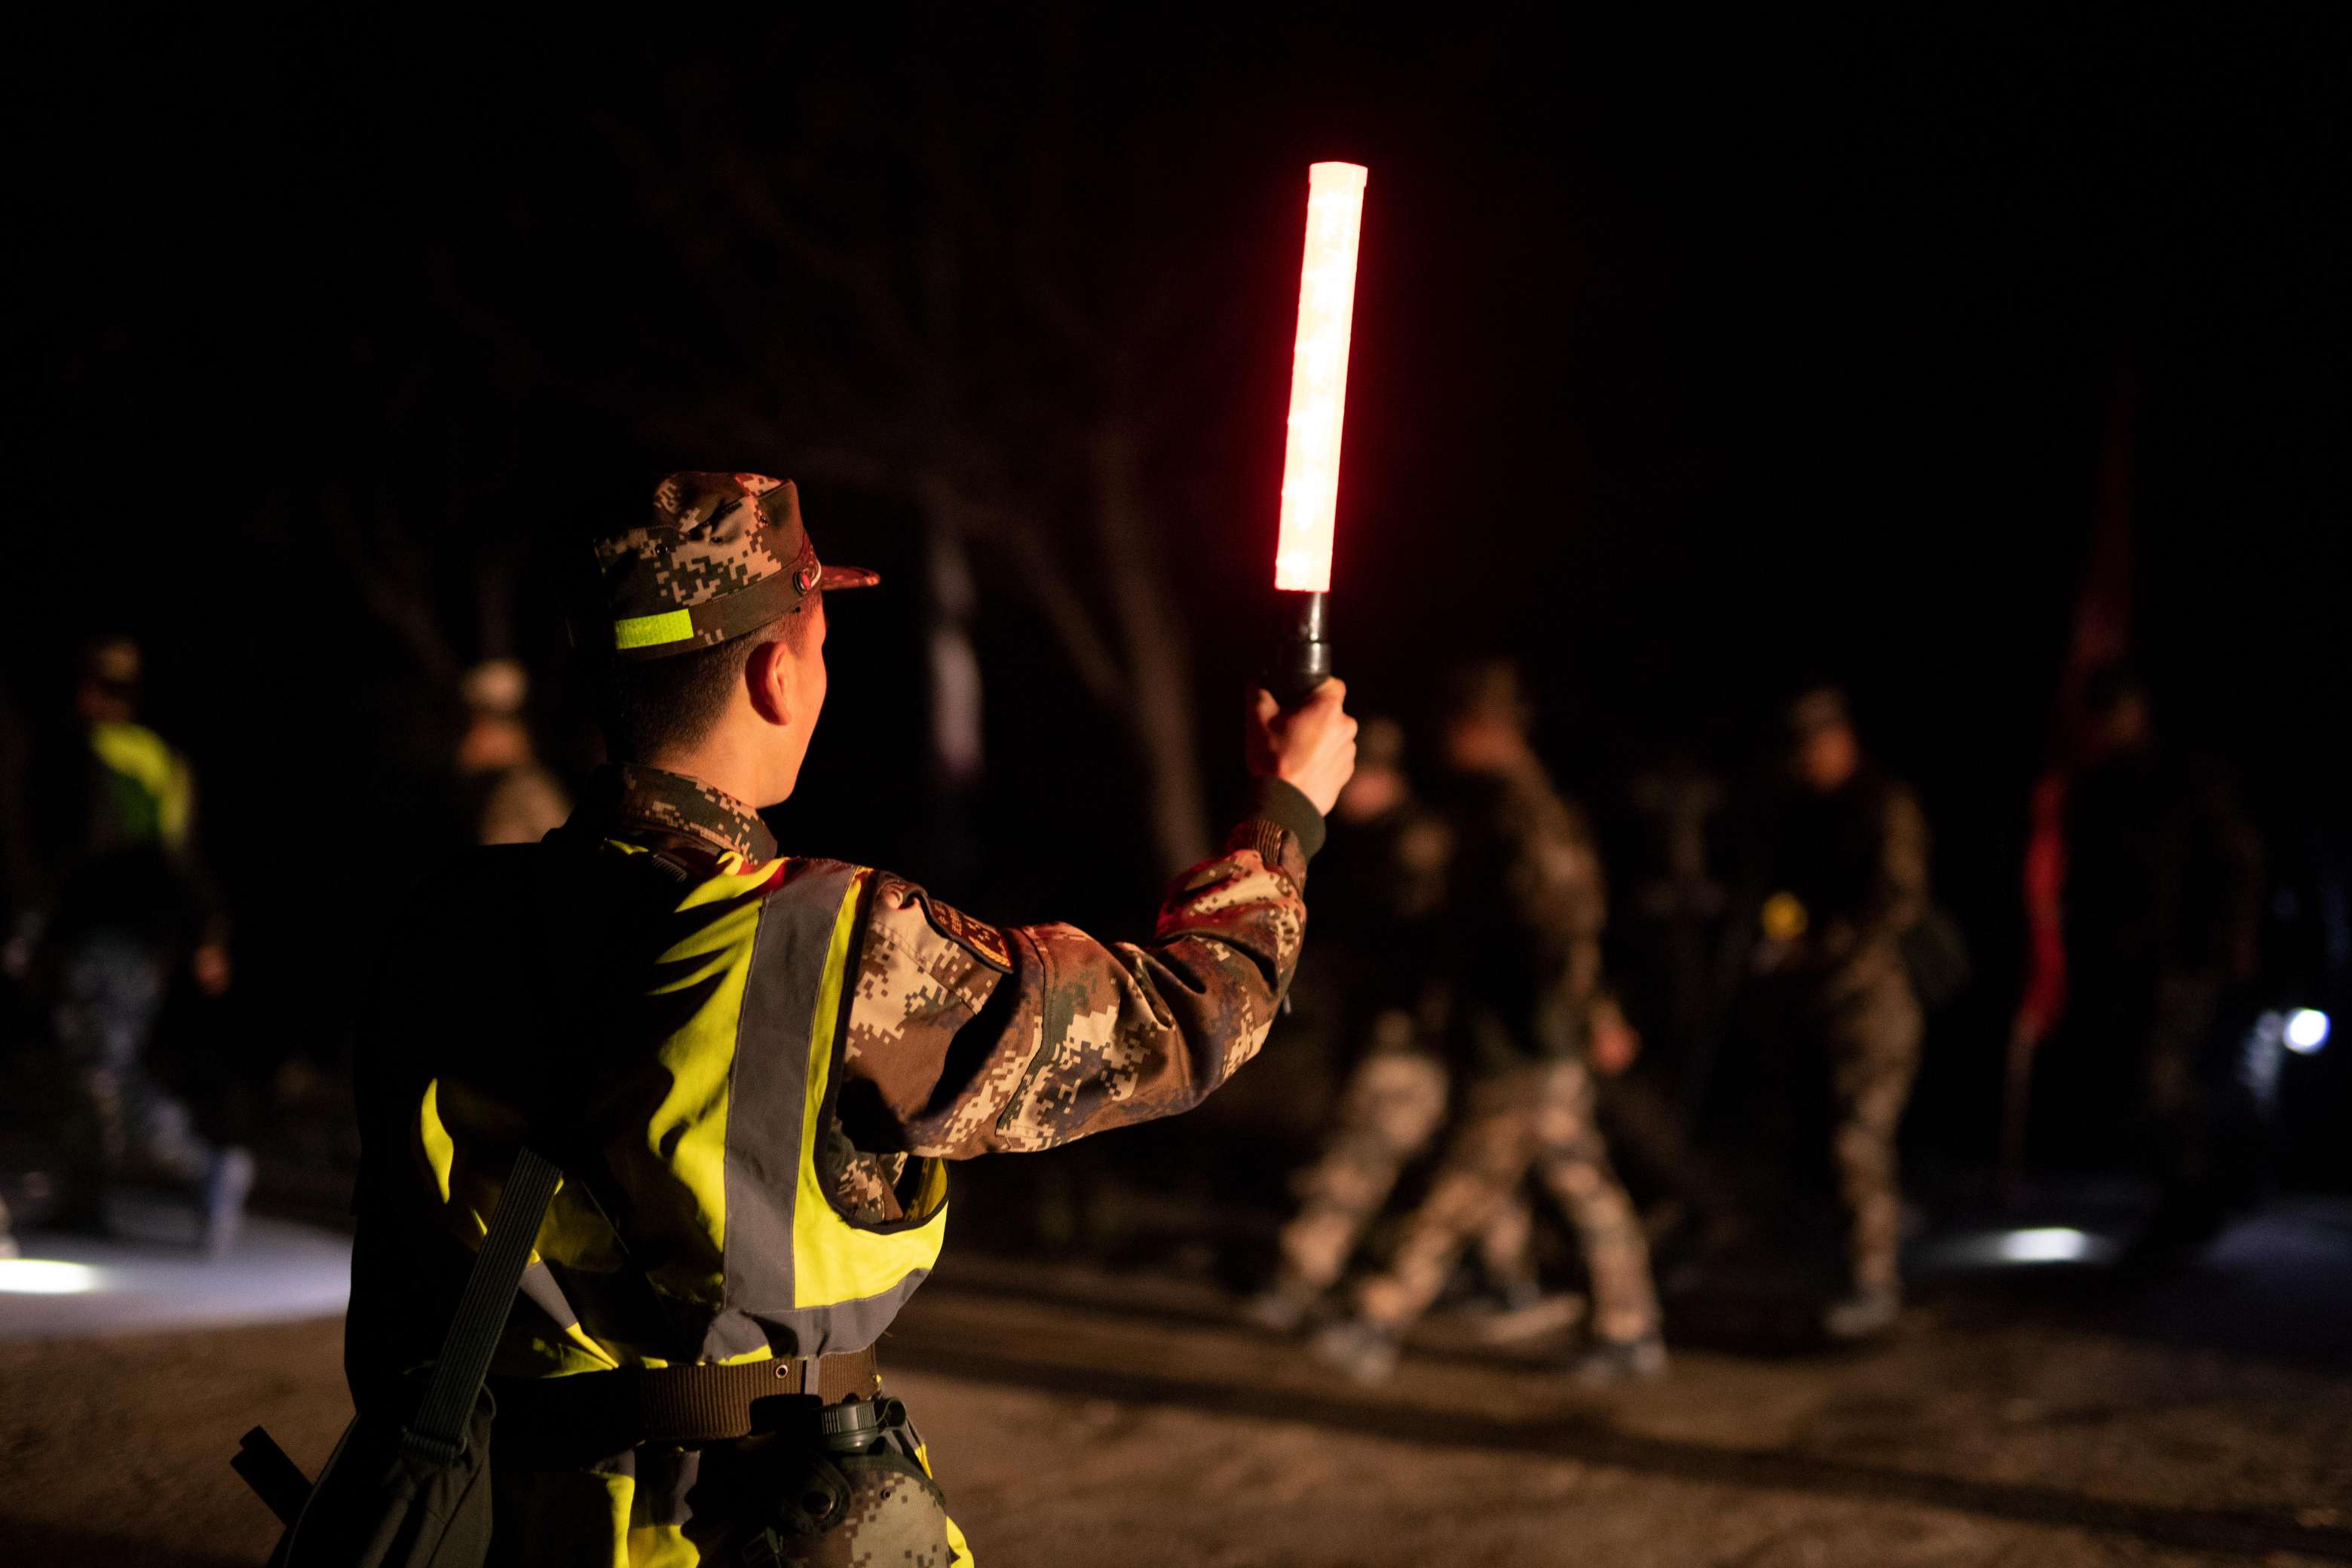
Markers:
1389,1116
111,989
1535,1121
1869,1025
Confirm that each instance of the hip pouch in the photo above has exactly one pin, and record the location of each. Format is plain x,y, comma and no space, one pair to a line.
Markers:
416,1494
846,1485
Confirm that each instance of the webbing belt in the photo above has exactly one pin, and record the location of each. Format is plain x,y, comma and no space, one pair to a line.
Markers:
607,1410
677,1403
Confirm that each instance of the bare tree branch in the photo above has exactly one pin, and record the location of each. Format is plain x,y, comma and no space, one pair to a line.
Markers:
405,608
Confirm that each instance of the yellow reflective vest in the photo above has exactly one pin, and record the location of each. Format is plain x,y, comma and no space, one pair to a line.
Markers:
703,1107
750,1071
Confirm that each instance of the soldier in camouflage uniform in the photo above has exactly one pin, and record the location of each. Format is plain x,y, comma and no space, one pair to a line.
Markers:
1520,969
2160,898
1383,880
750,1068
1848,878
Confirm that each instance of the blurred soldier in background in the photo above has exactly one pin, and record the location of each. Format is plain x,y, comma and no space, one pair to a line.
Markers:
1381,879
511,798
1847,871
1519,958
131,901
2159,893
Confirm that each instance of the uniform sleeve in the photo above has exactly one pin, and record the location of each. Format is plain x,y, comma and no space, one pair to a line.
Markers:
966,1038
1555,881
1900,900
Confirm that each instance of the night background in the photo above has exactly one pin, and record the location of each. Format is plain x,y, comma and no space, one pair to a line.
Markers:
1689,368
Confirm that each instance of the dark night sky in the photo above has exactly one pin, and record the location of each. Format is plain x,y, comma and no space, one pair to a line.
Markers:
1691,366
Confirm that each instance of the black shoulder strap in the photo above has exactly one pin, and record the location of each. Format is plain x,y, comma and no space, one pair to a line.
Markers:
440,1429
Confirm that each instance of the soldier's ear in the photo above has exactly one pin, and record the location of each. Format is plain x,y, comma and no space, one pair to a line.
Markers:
768,677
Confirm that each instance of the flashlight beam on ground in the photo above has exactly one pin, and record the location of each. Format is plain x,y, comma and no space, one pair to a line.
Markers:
1318,376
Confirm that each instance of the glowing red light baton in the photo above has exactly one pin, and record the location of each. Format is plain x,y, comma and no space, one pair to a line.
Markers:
1319,399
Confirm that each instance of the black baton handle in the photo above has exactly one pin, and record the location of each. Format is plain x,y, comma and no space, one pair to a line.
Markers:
1304,660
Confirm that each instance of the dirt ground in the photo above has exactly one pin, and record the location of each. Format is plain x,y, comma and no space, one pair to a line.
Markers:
1081,1417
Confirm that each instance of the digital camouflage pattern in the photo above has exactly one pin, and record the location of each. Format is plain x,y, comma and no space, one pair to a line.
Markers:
1539,1119
957,1038
1872,1024
1382,881
1526,907
721,555
1390,1115
1521,980
1096,1035
678,805
894,1516
775,1501
1856,863
822,1509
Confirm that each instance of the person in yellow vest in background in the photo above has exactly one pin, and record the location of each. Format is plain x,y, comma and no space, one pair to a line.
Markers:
750,1068
131,901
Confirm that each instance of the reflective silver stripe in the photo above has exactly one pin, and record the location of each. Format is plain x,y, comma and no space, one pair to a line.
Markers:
767,1102
845,1326
539,1285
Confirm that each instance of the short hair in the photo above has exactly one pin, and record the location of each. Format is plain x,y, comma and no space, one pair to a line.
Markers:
654,706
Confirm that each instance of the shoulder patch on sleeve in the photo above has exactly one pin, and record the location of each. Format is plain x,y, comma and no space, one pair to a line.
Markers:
982,940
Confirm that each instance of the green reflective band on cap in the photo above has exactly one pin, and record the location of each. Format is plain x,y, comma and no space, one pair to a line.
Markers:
652,631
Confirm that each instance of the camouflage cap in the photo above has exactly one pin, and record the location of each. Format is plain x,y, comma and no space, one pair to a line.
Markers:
722,555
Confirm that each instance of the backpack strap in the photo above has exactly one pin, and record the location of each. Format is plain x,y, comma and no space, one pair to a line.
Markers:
443,1417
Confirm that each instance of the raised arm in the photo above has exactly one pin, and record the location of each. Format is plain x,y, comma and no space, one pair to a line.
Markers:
966,1038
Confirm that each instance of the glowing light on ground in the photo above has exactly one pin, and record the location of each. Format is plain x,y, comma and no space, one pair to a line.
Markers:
1318,376
2028,1247
45,1277
2053,1244
2308,1029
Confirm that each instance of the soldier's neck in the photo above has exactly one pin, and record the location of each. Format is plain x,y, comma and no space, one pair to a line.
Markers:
726,759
